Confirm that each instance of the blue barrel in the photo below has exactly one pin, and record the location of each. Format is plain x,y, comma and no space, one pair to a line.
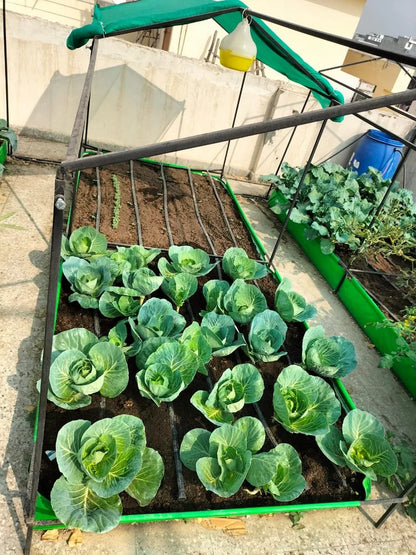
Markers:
378,150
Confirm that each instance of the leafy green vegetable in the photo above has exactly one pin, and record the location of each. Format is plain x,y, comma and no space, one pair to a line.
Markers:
238,265
118,336
222,458
214,291
186,260
157,318
220,332
243,301
331,357
133,258
83,365
361,445
88,279
84,242
126,301
98,461
180,287
303,403
167,372
291,306
266,336
278,472
237,387
194,338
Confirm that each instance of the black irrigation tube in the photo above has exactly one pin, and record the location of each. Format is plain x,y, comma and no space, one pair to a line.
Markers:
98,213
175,444
136,206
224,215
165,204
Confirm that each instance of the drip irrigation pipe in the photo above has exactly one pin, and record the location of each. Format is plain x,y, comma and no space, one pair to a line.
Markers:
98,214
136,206
175,445
165,204
224,215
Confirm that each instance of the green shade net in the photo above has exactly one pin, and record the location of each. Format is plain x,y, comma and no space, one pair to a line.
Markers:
272,51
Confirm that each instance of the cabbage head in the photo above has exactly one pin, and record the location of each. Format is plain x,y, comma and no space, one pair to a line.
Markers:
303,403
84,242
291,306
237,265
98,461
361,445
266,336
330,357
186,260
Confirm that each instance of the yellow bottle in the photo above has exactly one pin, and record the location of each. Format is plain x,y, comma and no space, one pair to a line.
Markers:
238,49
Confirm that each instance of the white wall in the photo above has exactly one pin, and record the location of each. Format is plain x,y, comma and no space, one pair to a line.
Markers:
142,95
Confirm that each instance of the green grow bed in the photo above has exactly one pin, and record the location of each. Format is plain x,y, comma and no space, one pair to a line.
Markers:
45,518
3,151
354,297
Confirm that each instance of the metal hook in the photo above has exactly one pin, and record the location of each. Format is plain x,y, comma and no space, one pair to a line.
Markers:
248,17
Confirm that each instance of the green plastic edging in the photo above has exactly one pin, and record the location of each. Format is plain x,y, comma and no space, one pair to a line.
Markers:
3,150
44,511
357,301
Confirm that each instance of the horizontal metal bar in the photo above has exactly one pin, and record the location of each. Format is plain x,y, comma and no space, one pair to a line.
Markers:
240,132
355,45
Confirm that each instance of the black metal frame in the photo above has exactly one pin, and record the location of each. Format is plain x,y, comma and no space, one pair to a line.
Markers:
73,163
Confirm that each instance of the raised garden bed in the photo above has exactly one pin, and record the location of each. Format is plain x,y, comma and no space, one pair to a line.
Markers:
163,205
356,297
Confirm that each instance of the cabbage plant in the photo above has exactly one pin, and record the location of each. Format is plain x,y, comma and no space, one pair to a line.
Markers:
229,455
126,301
88,279
167,371
243,301
214,291
361,445
118,335
157,318
237,265
221,333
133,258
266,336
330,357
179,288
237,387
83,365
303,403
291,306
98,461
194,338
186,260
84,242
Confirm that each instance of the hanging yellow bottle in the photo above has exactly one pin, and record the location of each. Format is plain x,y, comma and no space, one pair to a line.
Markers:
238,49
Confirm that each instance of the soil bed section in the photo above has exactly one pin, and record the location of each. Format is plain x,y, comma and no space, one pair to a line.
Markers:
325,482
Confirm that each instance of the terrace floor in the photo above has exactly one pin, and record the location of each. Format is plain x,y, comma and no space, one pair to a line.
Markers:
26,192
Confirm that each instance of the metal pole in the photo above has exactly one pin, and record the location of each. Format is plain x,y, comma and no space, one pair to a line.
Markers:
288,144
408,489
234,120
296,195
238,132
6,72
33,482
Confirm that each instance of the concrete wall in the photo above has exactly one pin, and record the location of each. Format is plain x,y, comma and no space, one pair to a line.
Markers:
142,95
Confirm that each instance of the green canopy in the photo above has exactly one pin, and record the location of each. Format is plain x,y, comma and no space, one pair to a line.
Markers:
272,51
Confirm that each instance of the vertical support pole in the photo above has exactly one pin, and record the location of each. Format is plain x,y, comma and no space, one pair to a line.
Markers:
233,124
6,72
296,195
55,256
288,144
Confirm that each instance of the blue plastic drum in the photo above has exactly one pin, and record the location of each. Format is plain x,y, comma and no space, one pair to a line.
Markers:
378,150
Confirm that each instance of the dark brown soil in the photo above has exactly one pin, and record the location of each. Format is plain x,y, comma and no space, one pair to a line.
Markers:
324,482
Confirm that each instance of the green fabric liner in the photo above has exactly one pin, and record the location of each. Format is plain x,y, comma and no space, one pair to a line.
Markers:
44,511
271,50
